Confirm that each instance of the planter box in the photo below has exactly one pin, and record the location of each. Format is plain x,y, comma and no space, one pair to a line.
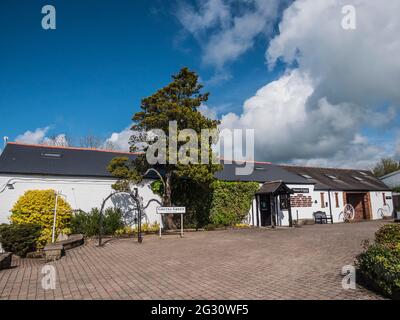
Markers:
53,252
5,260
56,250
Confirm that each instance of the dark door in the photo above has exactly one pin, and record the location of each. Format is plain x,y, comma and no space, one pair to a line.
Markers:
396,202
265,210
357,200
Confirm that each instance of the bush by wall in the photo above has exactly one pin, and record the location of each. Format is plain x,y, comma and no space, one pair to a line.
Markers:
211,206
19,239
37,207
388,235
379,265
89,223
231,201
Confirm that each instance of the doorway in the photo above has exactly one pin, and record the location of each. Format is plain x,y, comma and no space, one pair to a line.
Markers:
360,202
265,210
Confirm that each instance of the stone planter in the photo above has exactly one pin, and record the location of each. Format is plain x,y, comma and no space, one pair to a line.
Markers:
56,250
5,260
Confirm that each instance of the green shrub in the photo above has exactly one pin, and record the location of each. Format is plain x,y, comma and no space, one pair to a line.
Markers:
379,267
231,201
388,235
37,207
89,223
20,239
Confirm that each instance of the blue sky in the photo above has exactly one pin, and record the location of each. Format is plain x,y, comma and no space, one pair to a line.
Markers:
89,75
314,94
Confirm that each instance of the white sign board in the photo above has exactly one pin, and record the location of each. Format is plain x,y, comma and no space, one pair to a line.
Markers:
171,210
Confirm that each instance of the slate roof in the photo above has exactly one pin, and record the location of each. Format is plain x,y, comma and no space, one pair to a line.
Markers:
263,172
390,174
64,161
61,161
274,187
339,179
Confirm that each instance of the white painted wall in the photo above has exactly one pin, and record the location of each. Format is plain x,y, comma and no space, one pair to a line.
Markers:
81,193
307,212
377,202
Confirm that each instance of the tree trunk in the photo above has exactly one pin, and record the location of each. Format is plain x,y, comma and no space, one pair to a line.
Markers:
169,218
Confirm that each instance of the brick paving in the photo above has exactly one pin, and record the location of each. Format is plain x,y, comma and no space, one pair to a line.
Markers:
301,263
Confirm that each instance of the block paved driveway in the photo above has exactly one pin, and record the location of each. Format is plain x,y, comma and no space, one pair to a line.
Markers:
301,263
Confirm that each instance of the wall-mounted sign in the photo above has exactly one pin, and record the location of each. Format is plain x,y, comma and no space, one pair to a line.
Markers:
301,190
171,210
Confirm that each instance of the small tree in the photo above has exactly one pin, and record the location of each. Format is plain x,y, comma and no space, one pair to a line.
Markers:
179,101
385,166
92,142
37,207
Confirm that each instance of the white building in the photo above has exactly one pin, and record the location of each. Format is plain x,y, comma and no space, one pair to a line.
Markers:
79,174
311,190
82,178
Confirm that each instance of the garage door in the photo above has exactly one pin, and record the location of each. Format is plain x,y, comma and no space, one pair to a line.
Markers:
360,202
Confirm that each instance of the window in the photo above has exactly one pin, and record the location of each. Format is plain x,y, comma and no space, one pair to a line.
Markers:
363,173
259,168
337,199
51,155
358,178
322,200
384,199
330,176
306,176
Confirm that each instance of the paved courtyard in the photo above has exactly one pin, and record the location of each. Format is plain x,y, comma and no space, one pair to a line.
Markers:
301,263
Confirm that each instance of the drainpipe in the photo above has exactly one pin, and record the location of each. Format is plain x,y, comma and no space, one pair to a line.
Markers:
330,204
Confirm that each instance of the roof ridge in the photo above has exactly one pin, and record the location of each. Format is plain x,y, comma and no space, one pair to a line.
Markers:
390,174
253,161
329,168
72,148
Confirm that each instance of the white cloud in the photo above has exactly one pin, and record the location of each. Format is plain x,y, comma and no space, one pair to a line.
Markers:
211,13
33,137
208,112
343,79
120,140
227,29
358,66
39,136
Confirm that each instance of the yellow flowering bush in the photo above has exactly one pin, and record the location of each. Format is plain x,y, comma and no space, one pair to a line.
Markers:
37,207
146,227
242,226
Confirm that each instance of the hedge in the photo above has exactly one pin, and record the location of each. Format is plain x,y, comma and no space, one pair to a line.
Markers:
19,239
379,265
89,223
231,201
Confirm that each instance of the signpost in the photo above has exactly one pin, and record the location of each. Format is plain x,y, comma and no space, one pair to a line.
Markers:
172,210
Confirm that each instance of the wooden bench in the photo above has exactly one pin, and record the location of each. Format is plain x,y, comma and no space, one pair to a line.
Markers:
321,217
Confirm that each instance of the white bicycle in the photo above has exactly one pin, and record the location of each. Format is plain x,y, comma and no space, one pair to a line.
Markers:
348,213
385,211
